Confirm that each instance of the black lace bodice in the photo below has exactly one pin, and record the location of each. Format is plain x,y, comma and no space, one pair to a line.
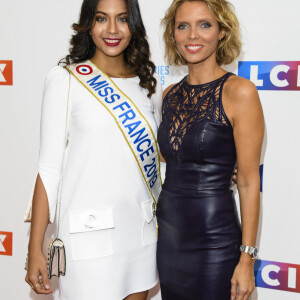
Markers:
187,104
195,135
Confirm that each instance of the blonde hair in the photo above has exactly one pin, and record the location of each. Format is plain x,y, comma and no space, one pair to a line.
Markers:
229,47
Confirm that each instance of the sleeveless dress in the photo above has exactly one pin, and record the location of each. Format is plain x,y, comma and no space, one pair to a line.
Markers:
199,231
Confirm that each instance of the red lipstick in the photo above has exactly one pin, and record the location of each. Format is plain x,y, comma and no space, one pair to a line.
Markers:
192,48
112,42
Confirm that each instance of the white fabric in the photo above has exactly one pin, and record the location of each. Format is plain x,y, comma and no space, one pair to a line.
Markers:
109,237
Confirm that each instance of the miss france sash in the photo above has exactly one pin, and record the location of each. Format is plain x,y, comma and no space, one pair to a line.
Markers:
133,125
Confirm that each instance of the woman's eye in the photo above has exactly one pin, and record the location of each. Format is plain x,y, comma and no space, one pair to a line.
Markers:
206,25
100,19
123,20
182,26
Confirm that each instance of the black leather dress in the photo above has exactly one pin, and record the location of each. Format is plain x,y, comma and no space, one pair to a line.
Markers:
199,232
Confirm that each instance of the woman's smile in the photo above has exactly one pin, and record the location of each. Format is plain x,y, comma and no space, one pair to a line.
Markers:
192,48
112,42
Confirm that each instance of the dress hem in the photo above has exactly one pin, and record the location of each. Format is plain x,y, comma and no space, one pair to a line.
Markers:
141,290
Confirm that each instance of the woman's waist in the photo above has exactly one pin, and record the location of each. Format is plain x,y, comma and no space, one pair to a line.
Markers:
200,179
207,217
198,191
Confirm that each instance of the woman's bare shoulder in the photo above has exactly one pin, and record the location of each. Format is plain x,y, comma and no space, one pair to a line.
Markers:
241,99
167,90
239,89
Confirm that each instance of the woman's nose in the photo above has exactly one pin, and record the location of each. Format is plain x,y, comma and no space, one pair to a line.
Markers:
112,26
193,34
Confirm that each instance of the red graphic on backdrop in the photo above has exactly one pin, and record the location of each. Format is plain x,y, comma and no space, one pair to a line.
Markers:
6,242
6,72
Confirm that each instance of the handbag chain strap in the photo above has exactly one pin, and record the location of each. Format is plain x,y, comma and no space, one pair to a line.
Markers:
63,160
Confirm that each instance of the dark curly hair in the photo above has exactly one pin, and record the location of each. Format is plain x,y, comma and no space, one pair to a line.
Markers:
137,54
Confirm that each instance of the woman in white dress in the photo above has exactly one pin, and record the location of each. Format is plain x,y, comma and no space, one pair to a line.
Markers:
107,222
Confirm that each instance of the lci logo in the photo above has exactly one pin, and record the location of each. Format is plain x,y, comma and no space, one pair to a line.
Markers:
272,75
6,242
278,276
6,72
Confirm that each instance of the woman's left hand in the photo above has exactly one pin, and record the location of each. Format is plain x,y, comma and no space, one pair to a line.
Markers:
242,281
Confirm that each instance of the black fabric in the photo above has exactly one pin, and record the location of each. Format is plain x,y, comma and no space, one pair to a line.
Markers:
199,232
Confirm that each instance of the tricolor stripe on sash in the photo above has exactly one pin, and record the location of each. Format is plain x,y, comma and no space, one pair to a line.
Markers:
133,125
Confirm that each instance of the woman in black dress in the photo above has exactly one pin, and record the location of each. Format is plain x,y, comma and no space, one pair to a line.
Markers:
212,120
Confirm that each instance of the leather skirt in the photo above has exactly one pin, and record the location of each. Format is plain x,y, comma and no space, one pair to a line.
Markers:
199,236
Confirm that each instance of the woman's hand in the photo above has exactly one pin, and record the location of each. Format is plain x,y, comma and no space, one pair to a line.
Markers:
234,177
243,282
36,275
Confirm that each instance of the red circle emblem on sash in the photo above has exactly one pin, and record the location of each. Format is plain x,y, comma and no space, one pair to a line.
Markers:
84,70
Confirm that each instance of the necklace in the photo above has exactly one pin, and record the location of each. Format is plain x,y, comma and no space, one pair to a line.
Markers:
122,75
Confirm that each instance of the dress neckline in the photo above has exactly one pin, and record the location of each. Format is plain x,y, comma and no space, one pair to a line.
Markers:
207,83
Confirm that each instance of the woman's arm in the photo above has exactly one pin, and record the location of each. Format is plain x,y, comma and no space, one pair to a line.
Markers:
52,146
37,265
247,120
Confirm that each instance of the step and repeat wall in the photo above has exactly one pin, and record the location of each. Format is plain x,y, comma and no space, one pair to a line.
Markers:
34,35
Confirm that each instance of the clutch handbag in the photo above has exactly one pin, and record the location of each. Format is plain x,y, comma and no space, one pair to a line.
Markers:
53,248
54,251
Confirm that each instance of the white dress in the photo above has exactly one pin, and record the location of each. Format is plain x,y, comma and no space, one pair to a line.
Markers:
106,211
